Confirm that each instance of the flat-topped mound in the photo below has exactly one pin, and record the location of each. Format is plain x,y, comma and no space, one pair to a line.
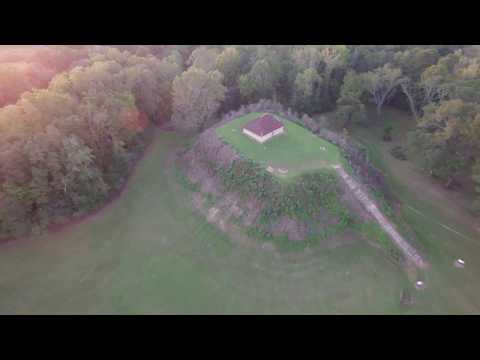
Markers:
292,153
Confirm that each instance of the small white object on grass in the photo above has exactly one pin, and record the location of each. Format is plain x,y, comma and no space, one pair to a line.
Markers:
459,263
419,285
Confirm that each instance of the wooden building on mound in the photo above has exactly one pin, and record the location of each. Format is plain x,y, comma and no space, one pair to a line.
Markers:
264,128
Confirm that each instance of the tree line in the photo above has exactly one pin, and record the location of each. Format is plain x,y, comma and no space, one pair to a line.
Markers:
66,148
438,84
27,68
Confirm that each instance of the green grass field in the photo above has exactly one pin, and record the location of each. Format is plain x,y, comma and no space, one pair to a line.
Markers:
297,150
149,253
438,207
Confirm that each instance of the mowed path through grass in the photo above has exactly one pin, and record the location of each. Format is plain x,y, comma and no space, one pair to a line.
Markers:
439,208
149,252
297,150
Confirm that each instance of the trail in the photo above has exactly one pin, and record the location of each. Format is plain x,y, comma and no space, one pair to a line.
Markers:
439,223
370,206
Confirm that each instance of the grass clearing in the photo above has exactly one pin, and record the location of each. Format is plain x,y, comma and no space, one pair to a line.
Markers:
150,253
297,150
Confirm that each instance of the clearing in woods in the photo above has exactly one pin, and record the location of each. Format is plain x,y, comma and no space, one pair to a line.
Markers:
148,254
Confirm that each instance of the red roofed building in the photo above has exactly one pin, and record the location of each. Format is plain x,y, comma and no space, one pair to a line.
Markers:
263,128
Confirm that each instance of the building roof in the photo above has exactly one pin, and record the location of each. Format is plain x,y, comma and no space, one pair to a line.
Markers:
264,125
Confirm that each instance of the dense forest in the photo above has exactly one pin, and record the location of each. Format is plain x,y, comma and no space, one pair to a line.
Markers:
27,68
72,128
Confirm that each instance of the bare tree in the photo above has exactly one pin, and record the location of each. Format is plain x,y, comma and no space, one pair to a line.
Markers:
381,84
411,92
433,91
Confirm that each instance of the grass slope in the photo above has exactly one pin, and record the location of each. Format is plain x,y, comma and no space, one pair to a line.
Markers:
297,150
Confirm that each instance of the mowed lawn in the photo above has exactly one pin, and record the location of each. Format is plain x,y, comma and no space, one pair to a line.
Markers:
297,150
419,194
149,253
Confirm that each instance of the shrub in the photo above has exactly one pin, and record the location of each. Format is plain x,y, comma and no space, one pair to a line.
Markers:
399,152
387,133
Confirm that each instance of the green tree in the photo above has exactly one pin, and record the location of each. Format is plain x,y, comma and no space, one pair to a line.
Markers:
204,58
82,181
350,110
262,80
445,139
349,105
306,90
381,84
334,57
197,95
414,61
229,63
307,57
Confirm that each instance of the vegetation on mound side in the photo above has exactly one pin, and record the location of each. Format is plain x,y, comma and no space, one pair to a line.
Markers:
301,199
284,244
311,201
304,200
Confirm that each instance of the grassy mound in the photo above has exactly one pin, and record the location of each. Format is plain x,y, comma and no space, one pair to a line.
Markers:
297,150
299,204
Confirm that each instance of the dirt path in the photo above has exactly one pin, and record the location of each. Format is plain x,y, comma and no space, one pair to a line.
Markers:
440,224
452,204
370,206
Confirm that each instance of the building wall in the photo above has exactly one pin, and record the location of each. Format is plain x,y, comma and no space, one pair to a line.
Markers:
262,139
252,135
278,131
